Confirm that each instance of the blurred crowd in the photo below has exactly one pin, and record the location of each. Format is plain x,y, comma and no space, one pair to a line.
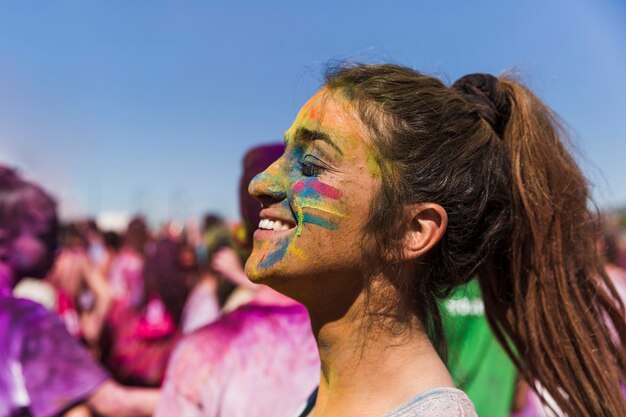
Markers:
166,318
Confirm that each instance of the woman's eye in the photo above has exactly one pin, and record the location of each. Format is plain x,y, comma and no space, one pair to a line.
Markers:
310,170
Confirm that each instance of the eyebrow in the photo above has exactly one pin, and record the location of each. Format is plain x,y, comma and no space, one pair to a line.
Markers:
306,135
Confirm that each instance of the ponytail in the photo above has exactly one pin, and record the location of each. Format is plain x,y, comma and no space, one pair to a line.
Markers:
546,293
493,156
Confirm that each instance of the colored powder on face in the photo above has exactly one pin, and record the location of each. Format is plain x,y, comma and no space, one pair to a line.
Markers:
268,182
319,205
300,218
319,221
297,153
315,188
326,190
373,166
297,252
275,256
313,114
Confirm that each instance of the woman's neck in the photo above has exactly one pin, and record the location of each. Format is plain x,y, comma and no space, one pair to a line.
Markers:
368,369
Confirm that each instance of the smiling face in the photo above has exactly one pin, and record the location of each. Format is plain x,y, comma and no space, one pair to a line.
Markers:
316,197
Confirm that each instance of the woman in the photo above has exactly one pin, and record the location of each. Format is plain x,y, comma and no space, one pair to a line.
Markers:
126,269
144,337
393,190
83,294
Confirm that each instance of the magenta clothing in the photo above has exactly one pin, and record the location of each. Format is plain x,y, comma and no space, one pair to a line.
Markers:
201,308
139,351
257,361
43,369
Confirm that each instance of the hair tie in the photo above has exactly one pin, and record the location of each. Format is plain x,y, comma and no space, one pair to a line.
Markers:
486,93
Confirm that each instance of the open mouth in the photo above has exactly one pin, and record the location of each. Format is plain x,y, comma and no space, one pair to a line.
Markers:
275,224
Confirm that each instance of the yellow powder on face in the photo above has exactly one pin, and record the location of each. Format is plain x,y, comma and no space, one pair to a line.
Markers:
300,216
297,252
318,205
373,166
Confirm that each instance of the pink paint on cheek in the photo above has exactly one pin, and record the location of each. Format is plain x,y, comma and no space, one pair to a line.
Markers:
319,187
298,187
327,190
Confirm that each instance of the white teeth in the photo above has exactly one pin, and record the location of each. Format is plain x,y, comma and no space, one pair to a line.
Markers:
268,224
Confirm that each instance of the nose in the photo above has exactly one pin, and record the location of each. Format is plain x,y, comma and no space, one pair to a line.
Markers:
267,187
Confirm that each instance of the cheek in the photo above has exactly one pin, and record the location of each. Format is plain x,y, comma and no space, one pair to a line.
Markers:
318,204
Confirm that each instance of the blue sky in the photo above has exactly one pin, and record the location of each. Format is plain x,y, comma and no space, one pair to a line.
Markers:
149,105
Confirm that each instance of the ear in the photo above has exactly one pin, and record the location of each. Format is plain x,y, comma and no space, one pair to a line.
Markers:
427,224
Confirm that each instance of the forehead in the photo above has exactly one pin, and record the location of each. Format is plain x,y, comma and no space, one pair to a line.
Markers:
328,112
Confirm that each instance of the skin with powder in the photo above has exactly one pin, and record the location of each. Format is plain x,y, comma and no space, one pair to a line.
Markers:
318,185
316,202
394,189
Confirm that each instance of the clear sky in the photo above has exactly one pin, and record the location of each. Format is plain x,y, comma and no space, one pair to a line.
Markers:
129,105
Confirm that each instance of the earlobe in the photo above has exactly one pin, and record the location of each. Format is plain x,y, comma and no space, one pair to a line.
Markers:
427,224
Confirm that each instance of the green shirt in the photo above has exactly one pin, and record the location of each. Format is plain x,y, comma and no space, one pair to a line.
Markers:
477,362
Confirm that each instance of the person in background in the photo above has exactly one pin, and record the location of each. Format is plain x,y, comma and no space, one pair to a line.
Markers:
608,246
477,363
217,236
126,270
143,338
112,246
203,305
84,296
44,371
260,359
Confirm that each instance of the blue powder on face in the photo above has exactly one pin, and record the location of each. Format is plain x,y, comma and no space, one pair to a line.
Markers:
319,221
275,256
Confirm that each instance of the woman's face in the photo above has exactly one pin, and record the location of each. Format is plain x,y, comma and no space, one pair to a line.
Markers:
316,197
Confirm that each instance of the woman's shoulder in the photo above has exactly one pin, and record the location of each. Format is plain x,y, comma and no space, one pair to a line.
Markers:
438,402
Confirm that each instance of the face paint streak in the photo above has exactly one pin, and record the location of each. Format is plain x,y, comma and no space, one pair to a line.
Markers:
297,252
310,186
300,217
319,221
319,205
275,256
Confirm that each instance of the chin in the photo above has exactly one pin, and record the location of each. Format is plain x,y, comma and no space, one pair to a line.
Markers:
276,276
257,274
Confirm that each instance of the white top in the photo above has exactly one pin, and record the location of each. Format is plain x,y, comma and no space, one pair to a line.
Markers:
437,402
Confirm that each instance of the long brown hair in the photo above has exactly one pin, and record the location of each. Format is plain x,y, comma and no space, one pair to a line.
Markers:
495,157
